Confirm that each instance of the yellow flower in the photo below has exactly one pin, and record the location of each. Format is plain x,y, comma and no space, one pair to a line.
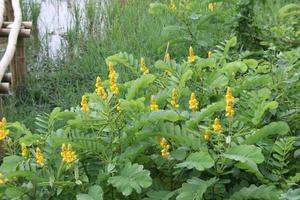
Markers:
164,144
153,104
84,104
174,102
167,57
2,179
173,5
229,103
24,150
39,157
217,125
212,6
209,54
206,135
113,79
3,130
67,153
100,89
165,153
193,103
3,123
3,133
191,57
143,66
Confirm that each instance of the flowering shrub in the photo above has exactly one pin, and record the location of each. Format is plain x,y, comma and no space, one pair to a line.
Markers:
202,128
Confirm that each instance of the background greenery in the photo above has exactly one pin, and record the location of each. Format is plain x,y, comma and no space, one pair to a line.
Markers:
132,28
255,50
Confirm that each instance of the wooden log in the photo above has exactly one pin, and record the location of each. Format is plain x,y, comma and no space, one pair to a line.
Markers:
2,9
14,54
5,88
13,12
7,77
4,32
24,24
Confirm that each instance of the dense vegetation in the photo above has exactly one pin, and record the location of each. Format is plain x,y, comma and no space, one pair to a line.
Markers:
202,102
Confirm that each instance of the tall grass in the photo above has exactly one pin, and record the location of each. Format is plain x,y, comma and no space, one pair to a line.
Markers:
107,28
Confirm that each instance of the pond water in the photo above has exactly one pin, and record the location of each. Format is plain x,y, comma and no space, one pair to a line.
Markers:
56,16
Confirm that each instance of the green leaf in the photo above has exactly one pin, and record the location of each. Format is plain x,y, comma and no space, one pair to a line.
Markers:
172,30
156,8
84,197
247,156
133,105
15,192
29,139
179,153
259,80
194,189
185,77
234,67
95,193
211,63
205,112
274,128
199,160
139,83
216,81
132,177
164,66
251,63
159,195
10,163
230,43
262,192
291,195
164,115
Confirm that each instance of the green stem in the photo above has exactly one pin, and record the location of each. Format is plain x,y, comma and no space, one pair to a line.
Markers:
59,170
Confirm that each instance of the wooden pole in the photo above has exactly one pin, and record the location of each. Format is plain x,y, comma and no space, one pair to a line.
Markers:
17,65
4,32
25,24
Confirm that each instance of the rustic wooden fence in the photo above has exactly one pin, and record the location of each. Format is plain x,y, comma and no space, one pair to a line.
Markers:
12,64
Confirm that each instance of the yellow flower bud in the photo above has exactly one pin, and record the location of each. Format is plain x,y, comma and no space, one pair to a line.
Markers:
217,125
153,104
206,135
191,57
3,130
2,179
67,153
209,54
193,103
167,57
84,104
23,150
39,157
143,66
212,6
113,79
173,5
164,144
100,89
174,100
229,103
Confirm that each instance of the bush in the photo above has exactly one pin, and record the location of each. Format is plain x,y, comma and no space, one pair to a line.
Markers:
205,128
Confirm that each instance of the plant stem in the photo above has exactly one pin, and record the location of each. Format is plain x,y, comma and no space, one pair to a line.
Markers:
60,170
